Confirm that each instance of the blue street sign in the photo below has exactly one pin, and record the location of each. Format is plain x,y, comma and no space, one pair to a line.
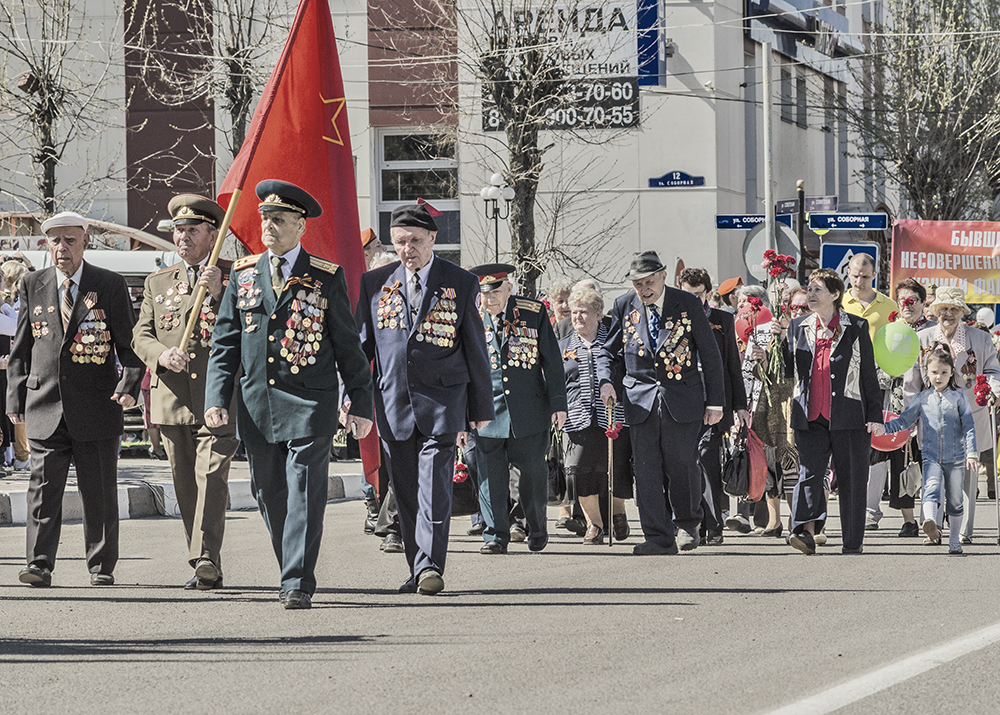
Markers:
848,222
744,222
836,256
674,179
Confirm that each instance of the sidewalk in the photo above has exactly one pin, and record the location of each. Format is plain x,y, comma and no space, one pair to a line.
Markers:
145,489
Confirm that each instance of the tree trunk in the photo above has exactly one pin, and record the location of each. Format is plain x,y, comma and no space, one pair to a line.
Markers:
525,168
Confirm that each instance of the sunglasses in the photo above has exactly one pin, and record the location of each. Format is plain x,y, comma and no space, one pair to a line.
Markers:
799,308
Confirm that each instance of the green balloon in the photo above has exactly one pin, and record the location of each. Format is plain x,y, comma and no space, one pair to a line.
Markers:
896,348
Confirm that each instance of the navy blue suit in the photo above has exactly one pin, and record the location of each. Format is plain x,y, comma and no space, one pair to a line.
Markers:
529,385
432,378
290,348
665,397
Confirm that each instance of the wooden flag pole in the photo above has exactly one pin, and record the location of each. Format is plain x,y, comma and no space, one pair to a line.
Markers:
199,294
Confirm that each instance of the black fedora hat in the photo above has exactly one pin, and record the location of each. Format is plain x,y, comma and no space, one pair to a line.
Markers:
644,264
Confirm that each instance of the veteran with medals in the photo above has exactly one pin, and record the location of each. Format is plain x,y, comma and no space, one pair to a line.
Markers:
420,324
657,338
286,318
63,384
199,455
529,392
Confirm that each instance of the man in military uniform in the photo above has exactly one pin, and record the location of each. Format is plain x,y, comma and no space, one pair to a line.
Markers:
199,455
529,391
420,324
286,318
63,384
657,337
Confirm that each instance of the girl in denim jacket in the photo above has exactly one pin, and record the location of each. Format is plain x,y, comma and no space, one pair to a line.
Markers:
947,443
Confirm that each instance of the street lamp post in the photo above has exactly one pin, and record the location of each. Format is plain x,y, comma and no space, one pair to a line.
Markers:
491,196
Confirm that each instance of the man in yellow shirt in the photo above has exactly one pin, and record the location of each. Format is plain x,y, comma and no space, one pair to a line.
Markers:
862,299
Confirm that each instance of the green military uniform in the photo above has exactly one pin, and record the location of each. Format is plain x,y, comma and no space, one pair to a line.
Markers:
529,385
199,457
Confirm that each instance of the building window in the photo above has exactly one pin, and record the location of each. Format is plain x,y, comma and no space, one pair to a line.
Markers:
415,164
786,94
800,100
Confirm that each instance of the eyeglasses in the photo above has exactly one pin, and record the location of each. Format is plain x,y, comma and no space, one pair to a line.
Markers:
799,308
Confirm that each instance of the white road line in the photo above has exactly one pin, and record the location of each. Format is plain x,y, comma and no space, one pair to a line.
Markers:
883,678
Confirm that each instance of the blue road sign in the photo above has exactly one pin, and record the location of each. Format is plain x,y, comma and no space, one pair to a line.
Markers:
836,256
744,222
848,222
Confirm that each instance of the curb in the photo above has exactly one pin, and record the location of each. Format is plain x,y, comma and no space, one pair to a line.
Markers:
140,499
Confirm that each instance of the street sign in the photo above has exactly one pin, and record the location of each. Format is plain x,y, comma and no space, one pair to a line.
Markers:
756,243
813,203
743,222
848,222
836,256
675,179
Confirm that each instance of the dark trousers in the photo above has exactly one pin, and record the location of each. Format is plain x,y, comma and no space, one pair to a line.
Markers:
199,462
667,478
494,457
710,464
289,480
421,470
850,450
97,479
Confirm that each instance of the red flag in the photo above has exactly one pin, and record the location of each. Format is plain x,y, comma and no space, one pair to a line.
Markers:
299,134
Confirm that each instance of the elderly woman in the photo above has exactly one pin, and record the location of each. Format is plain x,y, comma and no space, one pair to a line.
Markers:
974,355
586,444
837,402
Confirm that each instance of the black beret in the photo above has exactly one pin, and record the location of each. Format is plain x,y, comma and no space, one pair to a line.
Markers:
276,195
417,215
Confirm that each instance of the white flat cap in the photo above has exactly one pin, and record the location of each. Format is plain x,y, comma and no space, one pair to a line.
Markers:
65,218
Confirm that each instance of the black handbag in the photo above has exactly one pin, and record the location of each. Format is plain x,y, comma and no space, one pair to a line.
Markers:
556,469
464,489
736,470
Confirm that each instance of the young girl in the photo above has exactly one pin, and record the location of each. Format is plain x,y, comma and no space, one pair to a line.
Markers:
947,442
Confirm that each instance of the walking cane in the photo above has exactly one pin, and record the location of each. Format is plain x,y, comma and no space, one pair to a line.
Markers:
201,291
993,426
611,475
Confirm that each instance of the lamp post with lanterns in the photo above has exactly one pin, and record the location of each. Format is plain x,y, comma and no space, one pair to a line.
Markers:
491,196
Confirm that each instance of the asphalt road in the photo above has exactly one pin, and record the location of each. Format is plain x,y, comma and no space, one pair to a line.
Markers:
750,626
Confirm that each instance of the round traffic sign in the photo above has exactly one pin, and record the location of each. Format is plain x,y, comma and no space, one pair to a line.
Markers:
756,243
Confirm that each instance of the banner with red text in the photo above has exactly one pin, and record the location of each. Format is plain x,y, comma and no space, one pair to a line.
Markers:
949,253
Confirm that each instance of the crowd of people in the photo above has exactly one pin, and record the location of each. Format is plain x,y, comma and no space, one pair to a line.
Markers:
566,401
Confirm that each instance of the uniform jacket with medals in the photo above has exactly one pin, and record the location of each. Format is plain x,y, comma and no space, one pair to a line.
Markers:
432,375
529,382
52,374
176,398
670,368
290,348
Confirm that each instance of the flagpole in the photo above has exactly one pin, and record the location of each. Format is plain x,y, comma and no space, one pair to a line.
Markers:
199,294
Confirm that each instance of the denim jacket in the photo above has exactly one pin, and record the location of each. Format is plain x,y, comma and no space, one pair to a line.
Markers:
945,418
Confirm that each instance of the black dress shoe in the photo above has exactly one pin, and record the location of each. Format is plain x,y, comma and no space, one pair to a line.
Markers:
192,584
804,542
619,526
852,552
35,575
517,533
537,542
408,587
477,529
296,600
573,525
776,531
392,544
206,570
493,547
650,548
102,579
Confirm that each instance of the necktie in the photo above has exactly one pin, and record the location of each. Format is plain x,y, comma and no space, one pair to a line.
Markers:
66,308
193,276
416,298
654,324
277,276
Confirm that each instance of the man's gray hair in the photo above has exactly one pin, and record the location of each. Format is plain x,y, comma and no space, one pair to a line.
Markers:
754,291
588,283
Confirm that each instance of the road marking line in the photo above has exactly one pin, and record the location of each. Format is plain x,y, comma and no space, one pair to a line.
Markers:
883,678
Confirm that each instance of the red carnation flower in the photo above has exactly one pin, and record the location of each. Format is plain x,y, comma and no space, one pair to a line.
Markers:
461,472
908,302
770,253
613,432
893,315
755,303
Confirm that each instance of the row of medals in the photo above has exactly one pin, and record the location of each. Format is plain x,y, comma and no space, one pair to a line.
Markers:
676,348
438,327
390,312
92,342
304,330
172,305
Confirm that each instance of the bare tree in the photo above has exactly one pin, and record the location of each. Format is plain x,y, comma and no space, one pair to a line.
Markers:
56,67
924,106
229,60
